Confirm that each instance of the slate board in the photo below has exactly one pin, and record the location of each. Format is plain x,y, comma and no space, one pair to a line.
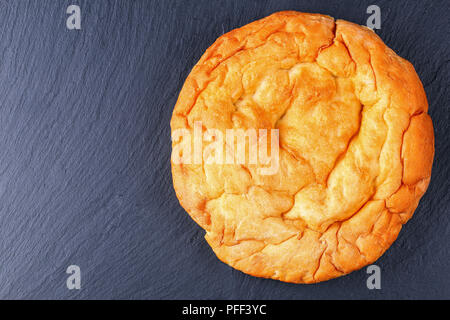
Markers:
85,147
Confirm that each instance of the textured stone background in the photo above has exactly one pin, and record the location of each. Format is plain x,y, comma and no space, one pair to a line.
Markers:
85,146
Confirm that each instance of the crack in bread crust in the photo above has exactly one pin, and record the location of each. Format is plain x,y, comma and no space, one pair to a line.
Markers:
356,147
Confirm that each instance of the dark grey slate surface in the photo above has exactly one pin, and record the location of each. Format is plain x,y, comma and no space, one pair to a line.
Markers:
85,146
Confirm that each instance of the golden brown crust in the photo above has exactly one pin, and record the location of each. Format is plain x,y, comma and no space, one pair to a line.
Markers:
357,146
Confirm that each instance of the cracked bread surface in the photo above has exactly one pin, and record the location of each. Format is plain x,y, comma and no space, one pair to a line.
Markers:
356,146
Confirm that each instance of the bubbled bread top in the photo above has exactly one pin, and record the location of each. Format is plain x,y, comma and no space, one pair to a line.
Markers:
356,146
